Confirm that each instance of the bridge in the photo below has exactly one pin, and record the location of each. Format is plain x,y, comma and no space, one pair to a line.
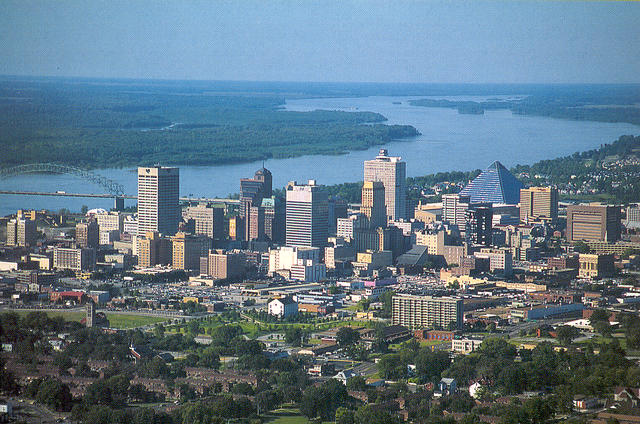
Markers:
110,196
115,189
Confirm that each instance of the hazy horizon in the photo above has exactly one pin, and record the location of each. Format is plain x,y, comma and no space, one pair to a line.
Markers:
417,42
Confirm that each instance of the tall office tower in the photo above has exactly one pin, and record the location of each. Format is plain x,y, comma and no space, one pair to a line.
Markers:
154,249
454,208
337,209
593,223
306,215
373,206
256,224
538,204
392,172
479,219
253,190
418,312
158,200
209,220
188,249
21,232
274,219
88,234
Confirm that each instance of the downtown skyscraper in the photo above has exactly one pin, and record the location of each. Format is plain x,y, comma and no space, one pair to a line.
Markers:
306,215
392,172
158,200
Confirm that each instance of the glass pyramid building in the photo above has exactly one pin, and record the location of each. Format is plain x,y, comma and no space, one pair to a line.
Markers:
496,185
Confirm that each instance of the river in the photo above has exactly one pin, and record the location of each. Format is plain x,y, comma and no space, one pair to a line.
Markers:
449,141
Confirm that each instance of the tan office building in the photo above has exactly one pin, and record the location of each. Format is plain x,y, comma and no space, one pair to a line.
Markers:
153,249
538,204
373,206
392,172
593,223
188,249
21,232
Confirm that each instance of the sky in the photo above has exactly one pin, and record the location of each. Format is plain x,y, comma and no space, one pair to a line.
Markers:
451,41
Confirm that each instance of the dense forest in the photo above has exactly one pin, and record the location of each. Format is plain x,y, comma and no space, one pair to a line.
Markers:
103,125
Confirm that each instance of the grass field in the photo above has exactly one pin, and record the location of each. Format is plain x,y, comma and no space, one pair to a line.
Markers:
286,416
115,320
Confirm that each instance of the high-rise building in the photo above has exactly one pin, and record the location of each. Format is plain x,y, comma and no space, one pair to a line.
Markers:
306,215
593,223
454,208
338,208
418,312
373,206
88,234
538,204
187,249
274,219
154,249
158,200
479,220
392,172
21,232
253,190
209,220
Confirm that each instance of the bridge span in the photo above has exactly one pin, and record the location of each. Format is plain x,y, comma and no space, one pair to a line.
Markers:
111,196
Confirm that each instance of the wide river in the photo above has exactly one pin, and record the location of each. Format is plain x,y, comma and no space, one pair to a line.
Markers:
449,141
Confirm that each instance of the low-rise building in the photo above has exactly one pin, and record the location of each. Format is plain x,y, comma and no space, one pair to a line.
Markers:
465,345
282,307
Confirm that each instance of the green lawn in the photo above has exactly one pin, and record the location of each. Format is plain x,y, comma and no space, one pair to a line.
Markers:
132,320
286,416
115,320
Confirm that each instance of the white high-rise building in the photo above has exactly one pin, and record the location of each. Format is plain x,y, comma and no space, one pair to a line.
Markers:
158,200
307,212
392,172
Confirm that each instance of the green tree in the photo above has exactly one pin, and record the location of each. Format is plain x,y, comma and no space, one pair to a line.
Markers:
55,394
566,334
347,336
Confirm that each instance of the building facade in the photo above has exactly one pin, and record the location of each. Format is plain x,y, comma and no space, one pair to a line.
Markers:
187,250
75,259
306,215
538,204
373,206
209,220
21,232
593,223
392,172
416,312
158,200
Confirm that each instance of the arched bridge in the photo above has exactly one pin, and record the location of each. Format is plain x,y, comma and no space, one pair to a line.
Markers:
110,186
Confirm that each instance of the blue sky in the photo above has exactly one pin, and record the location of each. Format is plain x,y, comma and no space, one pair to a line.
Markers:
378,41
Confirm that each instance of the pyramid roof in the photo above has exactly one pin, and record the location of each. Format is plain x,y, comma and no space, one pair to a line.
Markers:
496,185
